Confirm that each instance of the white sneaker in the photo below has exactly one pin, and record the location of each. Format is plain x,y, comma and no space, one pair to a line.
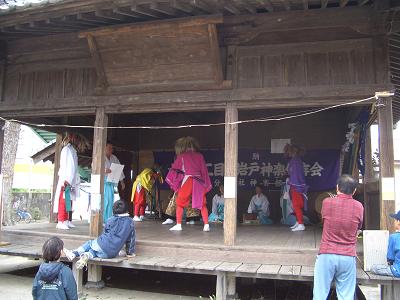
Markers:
70,225
299,227
206,227
122,253
177,227
62,225
191,222
83,260
137,219
141,218
168,222
294,226
69,254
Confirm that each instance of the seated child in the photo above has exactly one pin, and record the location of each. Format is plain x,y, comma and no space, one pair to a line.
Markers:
54,280
259,205
393,252
218,204
118,231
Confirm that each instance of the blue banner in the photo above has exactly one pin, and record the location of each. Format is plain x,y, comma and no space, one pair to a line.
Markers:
321,168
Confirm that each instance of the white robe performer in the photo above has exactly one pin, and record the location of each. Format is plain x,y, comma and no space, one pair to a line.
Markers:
67,175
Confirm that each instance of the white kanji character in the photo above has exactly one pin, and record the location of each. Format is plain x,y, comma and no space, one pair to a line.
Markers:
265,182
256,156
219,169
217,183
266,169
242,169
241,182
253,182
316,169
210,166
279,170
306,169
253,167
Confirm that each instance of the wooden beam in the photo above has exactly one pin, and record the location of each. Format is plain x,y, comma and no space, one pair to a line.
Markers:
172,24
94,19
129,13
101,74
57,154
110,15
166,9
279,97
231,171
98,158
386,163
145,11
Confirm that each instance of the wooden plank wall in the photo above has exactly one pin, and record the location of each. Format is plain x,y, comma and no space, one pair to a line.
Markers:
51,67
327,63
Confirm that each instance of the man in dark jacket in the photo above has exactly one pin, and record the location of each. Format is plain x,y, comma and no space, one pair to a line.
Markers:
118,231
54,280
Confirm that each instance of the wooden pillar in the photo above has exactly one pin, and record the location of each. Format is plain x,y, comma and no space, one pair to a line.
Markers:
230,179
1,173
391,291
386,163
97,182
98,158
226,286
78,276
57,154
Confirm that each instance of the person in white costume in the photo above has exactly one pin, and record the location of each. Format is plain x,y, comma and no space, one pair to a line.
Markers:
259,205
109,186
68,180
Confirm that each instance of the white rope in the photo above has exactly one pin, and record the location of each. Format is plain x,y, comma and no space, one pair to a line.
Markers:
267,119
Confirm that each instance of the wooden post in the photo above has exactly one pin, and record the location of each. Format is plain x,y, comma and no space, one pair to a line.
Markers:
391,291
78,276
1,173
230,179
386,163
97,182
226,286
57,153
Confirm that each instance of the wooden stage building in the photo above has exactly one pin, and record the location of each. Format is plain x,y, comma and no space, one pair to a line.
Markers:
111,69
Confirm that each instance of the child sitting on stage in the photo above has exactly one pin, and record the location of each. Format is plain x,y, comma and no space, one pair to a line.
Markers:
118,231
54,280
393,252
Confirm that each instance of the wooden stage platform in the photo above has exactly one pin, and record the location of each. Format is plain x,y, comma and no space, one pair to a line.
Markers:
269,252
265,243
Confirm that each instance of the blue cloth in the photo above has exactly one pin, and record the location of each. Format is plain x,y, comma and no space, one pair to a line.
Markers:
264,219
340,268
93,248
55,281
118,231
393,253
219,217
108,200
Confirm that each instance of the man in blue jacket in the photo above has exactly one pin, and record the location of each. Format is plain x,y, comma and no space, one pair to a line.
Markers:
118,231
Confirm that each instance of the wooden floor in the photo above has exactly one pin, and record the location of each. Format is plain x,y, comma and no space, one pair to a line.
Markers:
258,244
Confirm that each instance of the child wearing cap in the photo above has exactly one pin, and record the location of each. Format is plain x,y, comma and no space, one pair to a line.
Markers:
393,252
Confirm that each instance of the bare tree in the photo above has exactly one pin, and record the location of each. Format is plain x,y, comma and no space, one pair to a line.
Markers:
10,145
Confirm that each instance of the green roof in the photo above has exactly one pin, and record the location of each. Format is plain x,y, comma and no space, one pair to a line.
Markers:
46,136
